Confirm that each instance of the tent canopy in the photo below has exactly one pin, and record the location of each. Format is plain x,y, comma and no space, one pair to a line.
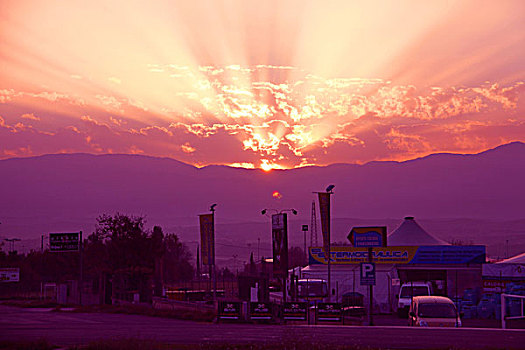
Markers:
409,233
518,259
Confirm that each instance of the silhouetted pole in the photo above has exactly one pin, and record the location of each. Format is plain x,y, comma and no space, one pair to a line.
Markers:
81,248
212,209
371,292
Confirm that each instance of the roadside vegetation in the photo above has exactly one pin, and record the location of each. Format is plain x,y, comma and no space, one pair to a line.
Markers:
120,250
189,315
41,344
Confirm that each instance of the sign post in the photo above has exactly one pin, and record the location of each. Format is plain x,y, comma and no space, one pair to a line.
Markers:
69,242
9,274
373,236
368,278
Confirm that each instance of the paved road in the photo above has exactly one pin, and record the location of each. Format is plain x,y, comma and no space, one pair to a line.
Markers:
66,328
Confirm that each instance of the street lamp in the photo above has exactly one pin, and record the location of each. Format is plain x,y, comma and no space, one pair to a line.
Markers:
293,211
12,241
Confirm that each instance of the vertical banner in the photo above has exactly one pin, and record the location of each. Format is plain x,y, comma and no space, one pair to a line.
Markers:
280,243
207,239
324,209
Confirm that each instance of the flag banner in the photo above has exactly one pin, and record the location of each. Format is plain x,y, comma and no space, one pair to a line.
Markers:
324,210
207,239
280,243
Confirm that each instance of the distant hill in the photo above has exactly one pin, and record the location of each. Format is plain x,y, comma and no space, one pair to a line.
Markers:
66,192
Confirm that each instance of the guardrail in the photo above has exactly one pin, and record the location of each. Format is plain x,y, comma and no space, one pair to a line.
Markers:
169,304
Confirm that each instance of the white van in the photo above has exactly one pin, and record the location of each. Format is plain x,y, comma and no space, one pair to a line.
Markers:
407,292
433,311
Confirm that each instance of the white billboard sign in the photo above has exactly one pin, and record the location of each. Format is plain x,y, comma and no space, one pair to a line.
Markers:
9,274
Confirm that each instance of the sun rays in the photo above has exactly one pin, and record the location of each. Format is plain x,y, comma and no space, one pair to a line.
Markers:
265,85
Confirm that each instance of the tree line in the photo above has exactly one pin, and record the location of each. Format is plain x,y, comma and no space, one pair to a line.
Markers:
120,247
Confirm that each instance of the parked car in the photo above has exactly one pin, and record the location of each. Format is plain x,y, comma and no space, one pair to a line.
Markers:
433,311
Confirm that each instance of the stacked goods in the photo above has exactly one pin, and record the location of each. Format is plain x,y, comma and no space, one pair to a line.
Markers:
488,306
469,302
472,295
469,311
513,305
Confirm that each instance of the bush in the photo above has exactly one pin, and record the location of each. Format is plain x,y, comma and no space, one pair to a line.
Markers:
41,344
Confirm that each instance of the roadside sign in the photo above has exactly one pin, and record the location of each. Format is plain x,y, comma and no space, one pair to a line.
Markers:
64,242
260,311
229,310
368,236
9,274
368,274
295,311
329,312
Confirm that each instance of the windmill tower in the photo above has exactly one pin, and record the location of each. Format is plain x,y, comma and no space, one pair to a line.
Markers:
313,225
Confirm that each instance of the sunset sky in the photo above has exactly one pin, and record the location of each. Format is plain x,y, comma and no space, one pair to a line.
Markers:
261,84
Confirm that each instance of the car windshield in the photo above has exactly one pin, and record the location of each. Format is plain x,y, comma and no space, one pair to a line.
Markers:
435,310
312,289
407,292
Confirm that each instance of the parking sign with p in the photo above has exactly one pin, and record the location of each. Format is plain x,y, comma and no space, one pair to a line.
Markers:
368,274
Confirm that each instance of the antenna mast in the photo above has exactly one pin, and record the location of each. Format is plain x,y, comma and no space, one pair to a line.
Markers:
313,225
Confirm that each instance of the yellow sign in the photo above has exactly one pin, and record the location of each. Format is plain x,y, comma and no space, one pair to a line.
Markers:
351,255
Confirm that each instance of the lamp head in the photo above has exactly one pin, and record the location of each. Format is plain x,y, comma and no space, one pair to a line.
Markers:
212,207
263,212
330,188
294,212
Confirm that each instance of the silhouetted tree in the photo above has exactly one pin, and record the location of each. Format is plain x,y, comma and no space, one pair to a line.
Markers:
121,246
177,257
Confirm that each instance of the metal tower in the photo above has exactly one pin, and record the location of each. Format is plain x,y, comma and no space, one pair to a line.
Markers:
313,225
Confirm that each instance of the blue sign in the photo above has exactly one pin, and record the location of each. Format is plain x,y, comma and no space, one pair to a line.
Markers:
367,237
368,274
451,254
442,254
